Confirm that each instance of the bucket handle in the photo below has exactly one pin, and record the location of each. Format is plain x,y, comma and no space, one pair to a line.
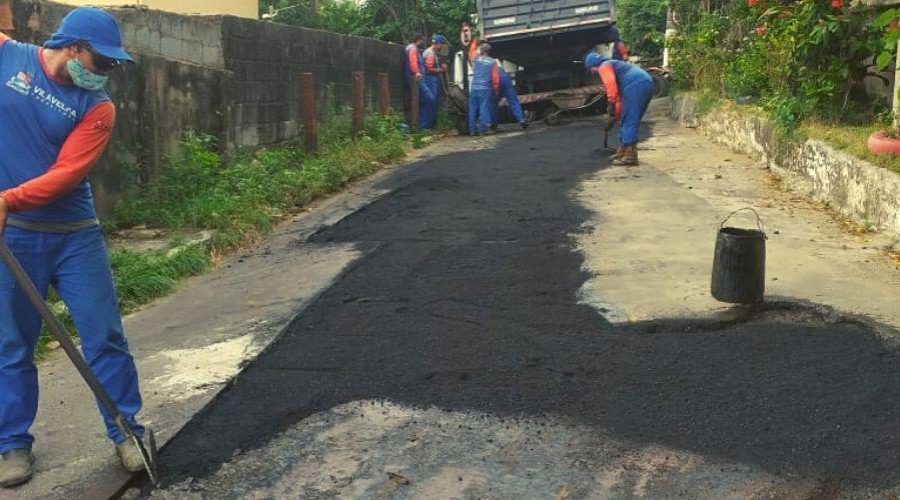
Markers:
759,223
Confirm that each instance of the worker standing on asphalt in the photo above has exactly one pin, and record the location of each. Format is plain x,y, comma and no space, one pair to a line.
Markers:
628,93
434,68
508,91
485,85
414,65
56,121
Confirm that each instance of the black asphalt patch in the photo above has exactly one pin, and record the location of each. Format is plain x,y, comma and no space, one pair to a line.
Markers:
469,303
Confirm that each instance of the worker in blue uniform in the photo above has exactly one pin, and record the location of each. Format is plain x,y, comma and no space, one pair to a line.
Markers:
434,68
484,86
629,90
414,67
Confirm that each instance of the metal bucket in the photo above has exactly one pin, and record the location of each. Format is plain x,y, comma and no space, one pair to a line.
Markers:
739,264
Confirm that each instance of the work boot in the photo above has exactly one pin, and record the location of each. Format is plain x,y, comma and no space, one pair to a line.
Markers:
130,456
16,467
628,158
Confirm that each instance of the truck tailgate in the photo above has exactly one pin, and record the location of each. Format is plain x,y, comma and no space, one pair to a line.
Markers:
509,19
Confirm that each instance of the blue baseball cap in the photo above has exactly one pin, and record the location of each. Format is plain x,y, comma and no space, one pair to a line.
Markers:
593,59
94,26
438,39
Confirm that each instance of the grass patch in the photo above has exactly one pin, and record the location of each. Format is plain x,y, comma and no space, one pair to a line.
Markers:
142,276
241,198
706,101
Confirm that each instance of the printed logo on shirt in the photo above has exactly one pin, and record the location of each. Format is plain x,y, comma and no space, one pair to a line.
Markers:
44,96
20,82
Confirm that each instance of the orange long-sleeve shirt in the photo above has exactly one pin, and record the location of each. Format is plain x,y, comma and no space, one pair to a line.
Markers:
412,58
608,74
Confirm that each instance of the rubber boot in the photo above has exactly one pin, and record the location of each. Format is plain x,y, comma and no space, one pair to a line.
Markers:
130,456
628,158
16,467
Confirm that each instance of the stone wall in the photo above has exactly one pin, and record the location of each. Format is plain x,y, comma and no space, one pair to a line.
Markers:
231,77
856,188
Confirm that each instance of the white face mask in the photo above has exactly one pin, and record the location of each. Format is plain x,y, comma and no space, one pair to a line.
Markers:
84,78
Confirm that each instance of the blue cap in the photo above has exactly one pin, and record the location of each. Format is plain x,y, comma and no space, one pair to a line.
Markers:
593,59
438,39
94,26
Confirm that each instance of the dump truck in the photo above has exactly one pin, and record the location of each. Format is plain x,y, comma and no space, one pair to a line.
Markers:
541,45
547,39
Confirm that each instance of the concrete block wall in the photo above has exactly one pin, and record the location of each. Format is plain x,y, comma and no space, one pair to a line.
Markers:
265,60
192,39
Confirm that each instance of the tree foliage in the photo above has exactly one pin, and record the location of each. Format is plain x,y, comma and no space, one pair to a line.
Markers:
800,58
389,20
642,24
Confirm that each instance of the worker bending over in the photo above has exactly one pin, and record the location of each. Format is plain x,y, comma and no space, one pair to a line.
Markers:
628,93
508,91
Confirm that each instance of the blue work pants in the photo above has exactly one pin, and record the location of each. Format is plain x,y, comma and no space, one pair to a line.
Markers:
512,100
480,110
426,103
429,110
77,266
635,99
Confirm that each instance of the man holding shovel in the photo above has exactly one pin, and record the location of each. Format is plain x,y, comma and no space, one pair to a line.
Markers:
55,121
629,90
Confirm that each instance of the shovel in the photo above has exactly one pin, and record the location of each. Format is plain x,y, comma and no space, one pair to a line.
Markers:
605,149
148,454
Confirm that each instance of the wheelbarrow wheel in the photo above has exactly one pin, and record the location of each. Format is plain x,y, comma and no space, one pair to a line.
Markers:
551,115
660,85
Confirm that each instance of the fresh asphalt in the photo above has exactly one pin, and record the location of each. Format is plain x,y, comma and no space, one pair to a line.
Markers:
466,300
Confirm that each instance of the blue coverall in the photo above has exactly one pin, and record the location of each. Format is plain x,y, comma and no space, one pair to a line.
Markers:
428,117
485,83
413,64
512,100
632,88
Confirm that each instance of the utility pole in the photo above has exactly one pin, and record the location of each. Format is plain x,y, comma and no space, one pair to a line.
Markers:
671,31
313,10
